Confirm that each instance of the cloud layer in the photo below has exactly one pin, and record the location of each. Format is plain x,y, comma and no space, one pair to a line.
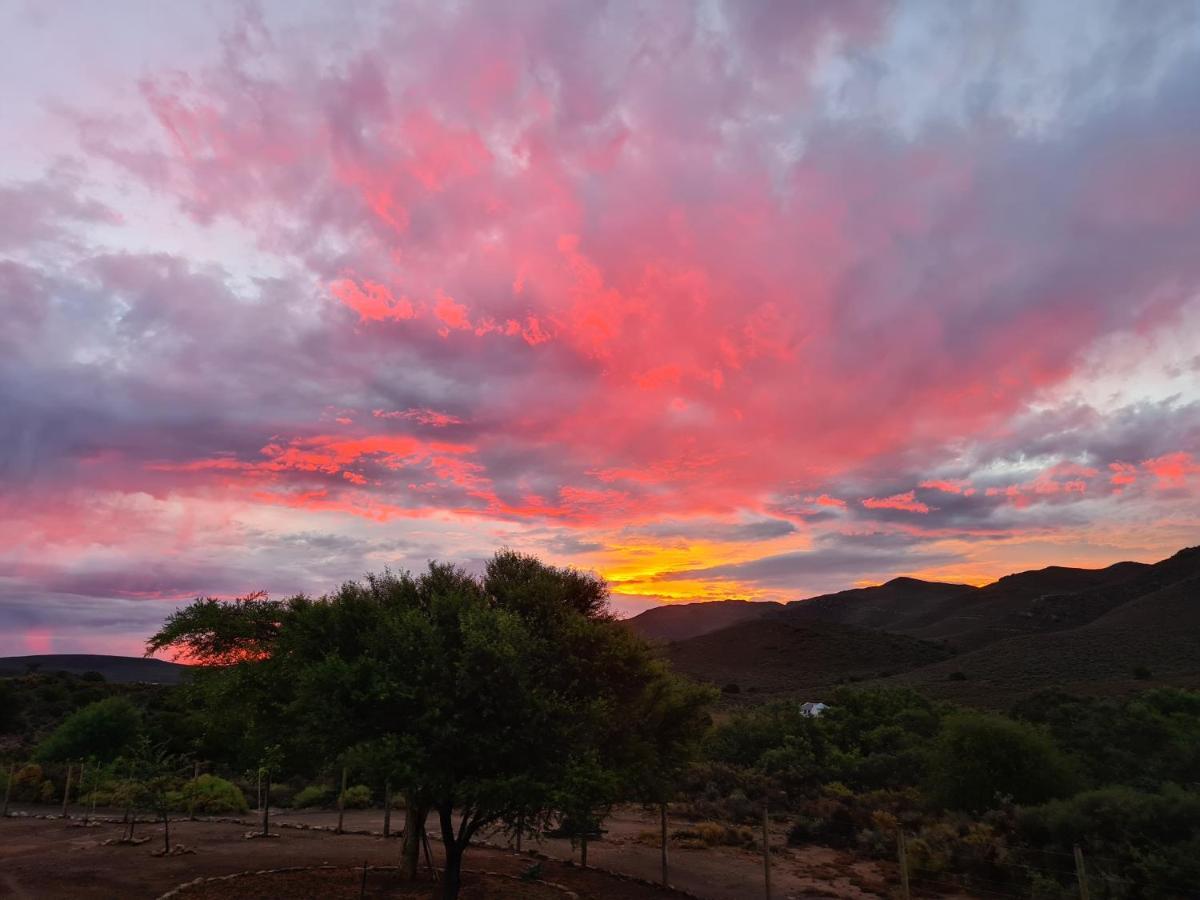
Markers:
721,300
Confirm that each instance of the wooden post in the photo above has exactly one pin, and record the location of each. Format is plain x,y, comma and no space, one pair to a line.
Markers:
387,809
195,787
266,805
362,891
1081,873
902,857
67,791
82,770
766,852
583,851
342,802
520,831
663,817
258,791
12,770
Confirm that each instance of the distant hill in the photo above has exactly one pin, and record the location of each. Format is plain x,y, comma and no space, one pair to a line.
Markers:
117,669
680,621
900,604
1153,637
773,655
1110,630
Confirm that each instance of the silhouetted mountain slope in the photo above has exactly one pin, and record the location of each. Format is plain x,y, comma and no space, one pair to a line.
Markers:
122,669
680,621
1154,638
1047,599
772,654
893,606
1083,630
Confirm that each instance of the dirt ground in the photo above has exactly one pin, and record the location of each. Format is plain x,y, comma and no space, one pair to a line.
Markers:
349,884
49,858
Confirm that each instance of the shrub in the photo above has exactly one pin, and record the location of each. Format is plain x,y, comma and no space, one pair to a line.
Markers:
357,797
99,730
312,796
27,782
282,795
211,795
981,759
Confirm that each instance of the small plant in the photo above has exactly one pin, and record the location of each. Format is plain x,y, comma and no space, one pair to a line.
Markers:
532,873
315,795
357,797
211,795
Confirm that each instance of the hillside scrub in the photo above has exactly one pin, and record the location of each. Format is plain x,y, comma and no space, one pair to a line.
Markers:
985,798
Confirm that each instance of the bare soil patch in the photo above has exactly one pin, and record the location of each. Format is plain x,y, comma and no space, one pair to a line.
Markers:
347,883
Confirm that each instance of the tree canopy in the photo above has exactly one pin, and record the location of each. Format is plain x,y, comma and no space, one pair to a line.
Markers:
511,698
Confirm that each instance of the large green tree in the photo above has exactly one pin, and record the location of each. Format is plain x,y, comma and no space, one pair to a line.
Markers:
484,698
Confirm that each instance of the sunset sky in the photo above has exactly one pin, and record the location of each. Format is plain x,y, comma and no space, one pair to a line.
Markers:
753,300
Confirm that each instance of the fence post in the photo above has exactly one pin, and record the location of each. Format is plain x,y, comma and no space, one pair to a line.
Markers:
342,802
1081,873
663,822
387,809
766,852
67,791
12,769
195,788
79,793
902,858
258,791
266,805
520,830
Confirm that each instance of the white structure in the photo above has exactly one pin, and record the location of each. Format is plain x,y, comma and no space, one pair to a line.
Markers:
812,709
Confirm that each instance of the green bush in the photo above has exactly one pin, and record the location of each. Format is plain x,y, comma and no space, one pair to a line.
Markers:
980,760
312,796
27,782
282,795
211,795
1152,840
358,797
100,730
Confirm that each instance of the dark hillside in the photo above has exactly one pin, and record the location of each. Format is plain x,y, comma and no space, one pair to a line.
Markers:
893,606
1151,639
119,669
771,655
680,621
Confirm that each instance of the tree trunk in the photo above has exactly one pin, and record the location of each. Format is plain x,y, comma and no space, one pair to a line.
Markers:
453,848
452,879
415,812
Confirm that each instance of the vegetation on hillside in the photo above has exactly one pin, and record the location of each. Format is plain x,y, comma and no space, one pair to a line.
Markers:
1000,800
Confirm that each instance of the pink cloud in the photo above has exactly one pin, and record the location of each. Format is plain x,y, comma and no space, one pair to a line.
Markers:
906,501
